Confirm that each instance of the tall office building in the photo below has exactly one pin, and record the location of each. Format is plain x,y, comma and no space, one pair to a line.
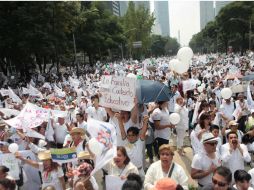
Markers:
161,14
114,7
209,10
207,13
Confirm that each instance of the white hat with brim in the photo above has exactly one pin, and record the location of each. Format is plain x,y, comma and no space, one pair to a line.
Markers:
208,137
44,155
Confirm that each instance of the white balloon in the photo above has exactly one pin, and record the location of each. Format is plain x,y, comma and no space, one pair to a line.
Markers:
131,75
174,118
181,68
95,147
185,54
13,148
173,63
226,93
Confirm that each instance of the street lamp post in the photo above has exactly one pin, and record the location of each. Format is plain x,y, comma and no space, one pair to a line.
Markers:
122,53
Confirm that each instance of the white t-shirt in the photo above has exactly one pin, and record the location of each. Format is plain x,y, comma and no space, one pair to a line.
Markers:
251,172
155,172
52,178
98,114
202,162
134,151
227,110
82,125
60,132
113,169
184,121
163,117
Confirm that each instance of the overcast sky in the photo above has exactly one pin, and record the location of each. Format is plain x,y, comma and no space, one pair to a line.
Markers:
184,17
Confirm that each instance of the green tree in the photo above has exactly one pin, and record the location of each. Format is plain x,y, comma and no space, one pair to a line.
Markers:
137,24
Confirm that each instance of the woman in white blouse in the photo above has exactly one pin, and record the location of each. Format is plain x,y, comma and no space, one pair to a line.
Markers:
121,165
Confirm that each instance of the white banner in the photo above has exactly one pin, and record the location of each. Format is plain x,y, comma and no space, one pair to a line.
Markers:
31,116
118,92
105,134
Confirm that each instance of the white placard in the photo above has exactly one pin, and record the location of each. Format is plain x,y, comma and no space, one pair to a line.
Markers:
118,92
114,182
189,84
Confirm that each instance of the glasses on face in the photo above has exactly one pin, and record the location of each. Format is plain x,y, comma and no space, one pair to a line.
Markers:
212,143
219,183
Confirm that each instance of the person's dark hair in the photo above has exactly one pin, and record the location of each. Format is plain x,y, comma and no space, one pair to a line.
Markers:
135,177
160,103
95,97
214,127
131,185
212,102
80,115
231,132
202,119
134,130
124,152
179,187
4,169
8,184
202,106
225,172
241,176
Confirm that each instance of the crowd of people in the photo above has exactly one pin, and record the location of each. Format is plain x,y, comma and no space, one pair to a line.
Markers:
220,130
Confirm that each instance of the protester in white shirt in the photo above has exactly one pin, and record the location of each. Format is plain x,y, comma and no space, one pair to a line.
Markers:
204,163
61,131
160,117
165,167
172,101
96,112
227,109
183,125
234,154
80,121
134,142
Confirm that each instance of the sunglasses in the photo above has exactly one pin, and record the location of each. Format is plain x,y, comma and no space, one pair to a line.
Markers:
220,184
213,144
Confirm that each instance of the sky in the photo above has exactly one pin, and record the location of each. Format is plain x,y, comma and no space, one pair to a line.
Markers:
183,17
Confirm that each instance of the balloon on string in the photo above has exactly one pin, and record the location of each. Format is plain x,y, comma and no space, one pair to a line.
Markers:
95,147
173,63
181,67
131,75
13,148
174,118
226,93
185,54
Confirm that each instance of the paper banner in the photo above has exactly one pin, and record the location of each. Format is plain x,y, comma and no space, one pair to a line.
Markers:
63,155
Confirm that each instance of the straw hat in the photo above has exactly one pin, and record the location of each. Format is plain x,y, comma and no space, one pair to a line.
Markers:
77,130
44,155
84,155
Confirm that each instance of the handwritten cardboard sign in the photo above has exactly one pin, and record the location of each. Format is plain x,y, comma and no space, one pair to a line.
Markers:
118,92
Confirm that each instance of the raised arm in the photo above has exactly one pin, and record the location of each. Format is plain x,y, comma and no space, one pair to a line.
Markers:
27,161
110,112
144,128
121,126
